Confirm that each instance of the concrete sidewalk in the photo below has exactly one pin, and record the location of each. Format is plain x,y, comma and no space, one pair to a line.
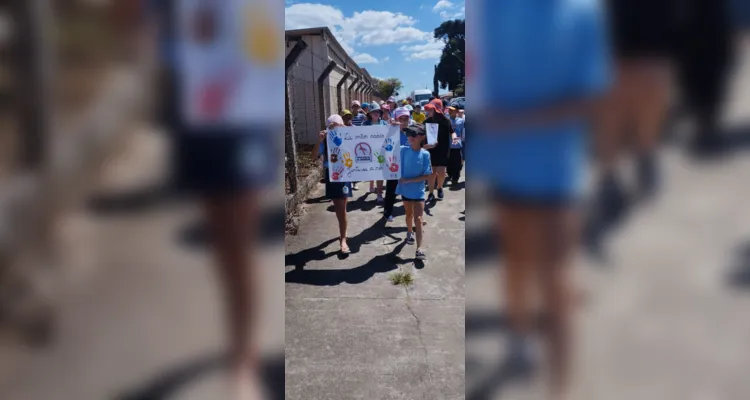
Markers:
351,333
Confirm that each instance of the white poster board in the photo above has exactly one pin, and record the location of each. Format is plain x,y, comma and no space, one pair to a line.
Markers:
364,153
230,53
432,133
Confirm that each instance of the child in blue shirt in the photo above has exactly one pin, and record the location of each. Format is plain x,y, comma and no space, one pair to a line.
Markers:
415,169
538,69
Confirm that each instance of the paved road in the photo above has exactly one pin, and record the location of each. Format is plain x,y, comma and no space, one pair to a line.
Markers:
140,313
352,334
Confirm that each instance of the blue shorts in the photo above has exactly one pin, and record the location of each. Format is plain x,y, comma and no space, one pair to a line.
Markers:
406,199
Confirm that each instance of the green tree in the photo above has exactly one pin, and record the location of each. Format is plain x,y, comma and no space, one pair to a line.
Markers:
450,71
389,87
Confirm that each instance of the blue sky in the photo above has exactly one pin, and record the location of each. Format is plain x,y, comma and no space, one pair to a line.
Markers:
391,38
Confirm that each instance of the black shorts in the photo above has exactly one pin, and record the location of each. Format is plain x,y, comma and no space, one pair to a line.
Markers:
439,157
643,28
406,199
337,190
217,160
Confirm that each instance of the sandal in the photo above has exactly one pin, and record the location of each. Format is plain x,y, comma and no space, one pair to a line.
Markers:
345,249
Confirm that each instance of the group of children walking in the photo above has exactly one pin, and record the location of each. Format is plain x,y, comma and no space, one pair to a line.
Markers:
420,162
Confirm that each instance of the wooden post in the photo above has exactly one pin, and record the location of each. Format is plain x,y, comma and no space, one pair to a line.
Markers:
290,141
34,55
339,92
321,99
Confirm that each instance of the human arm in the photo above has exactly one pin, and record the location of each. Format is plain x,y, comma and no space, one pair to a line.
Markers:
317,151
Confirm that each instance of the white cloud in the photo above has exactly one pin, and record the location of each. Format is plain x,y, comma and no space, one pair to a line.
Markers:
432,49
366,28
364,58
442,5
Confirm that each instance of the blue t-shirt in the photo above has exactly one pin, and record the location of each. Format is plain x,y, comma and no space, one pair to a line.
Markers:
322,152
458,127
530,54
404,138
359,119
413,164
380,122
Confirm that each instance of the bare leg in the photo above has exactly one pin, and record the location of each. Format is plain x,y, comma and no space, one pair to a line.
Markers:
230,219
560,239
440,175
380,188
431,181
418,212
409,210
519,237
339,206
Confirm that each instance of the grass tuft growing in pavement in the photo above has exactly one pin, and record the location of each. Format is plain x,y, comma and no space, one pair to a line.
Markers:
402,278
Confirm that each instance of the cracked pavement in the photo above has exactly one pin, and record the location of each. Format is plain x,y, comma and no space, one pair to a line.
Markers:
351,333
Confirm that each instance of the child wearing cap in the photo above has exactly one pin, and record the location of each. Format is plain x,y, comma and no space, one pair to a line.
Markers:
402,119
338,192
373,118
416,168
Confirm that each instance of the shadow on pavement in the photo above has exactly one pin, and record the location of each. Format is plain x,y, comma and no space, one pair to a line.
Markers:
332,277
491,324
739,274
301,258
170,382
481,245
133,201
196,234
457,187
360,204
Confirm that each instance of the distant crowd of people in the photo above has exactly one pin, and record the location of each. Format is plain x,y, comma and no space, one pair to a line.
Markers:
426,167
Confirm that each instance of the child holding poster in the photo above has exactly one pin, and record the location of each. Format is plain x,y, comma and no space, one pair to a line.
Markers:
338,192
416,168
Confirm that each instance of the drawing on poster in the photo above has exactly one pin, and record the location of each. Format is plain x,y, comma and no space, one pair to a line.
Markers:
432,133
228,52
367,153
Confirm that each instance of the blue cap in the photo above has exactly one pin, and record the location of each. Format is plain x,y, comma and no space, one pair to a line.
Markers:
365,105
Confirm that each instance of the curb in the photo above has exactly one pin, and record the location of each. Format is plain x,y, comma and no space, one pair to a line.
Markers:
293,202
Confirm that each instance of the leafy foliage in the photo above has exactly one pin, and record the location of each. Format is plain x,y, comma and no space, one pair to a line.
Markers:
389,87
450,71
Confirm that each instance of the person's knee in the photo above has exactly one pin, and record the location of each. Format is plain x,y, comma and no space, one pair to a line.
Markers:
418,219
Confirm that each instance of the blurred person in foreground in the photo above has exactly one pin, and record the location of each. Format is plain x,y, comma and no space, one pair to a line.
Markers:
222,160
705,54
644,33
536,81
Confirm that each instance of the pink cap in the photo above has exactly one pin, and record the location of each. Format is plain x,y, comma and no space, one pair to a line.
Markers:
334,119
400,112
355,103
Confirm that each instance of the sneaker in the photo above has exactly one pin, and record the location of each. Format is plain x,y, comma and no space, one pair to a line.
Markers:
379,200
521,358
454,181
420,255
389,218
409,238
430,198
355,186
440,193
648,175
373,189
